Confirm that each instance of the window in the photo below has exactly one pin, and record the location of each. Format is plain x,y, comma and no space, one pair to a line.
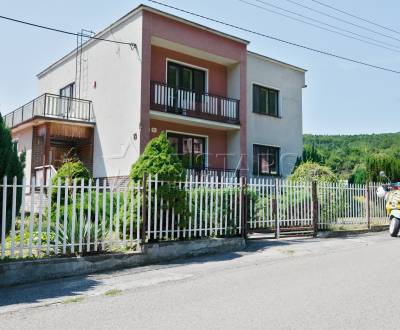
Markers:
65,102
265,160
67,91
190,149
180,76
265,101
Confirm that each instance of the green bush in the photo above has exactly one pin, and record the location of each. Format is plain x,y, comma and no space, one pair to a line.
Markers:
11,165
158,158
72,170
313,172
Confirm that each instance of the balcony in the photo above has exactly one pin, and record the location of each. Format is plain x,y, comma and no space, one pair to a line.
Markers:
50,106
191,103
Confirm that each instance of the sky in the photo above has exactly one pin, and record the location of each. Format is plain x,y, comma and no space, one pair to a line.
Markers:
340,98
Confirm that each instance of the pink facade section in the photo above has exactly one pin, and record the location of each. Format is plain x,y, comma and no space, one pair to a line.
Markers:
154,64
217,73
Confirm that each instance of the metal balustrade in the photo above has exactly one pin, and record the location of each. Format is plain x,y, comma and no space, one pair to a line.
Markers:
51,106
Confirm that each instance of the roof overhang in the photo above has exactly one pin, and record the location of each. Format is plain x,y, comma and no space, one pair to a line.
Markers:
133,13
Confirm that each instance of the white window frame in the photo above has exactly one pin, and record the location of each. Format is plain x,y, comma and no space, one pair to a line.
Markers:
189,66
193,134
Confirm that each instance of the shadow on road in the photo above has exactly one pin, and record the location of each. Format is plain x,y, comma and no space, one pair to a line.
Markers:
30,294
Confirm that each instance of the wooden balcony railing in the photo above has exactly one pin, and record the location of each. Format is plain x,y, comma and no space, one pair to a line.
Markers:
193,104
53,107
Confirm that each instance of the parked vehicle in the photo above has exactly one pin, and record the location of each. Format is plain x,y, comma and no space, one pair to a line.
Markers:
391,193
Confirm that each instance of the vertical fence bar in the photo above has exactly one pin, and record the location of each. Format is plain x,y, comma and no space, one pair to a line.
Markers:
32,215
277,201
49,193
124,217
58,201
22,226
110,225
73,218
40,221
155,207
96,216
81,215
13,212
242,208
65,224
314,214
89,216
117,215
144,210
368,205
138,212
104,217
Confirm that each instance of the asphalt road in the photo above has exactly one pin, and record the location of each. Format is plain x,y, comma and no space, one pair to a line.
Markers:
338,283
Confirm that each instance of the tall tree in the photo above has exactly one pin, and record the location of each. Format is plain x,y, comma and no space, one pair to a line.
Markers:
11,165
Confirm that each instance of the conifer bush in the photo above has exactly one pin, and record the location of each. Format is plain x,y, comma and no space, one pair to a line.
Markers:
11,165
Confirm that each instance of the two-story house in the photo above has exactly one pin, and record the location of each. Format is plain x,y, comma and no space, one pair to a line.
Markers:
222,107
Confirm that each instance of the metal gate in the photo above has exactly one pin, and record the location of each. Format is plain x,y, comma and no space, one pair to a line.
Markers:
279,207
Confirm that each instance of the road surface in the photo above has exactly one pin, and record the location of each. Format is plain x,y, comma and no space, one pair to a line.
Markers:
341,283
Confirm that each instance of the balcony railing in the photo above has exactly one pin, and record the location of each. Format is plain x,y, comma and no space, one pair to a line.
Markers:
53,107
193,104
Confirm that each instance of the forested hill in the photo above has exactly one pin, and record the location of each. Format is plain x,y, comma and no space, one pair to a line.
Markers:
344,152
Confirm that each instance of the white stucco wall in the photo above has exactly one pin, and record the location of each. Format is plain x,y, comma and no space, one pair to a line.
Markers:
116,69
285,132
24,138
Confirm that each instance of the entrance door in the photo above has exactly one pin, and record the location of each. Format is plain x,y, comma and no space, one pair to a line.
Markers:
190,149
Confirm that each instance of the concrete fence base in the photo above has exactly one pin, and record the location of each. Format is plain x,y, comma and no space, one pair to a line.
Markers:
22,272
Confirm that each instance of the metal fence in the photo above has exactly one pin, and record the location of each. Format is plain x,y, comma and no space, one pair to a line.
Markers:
78,217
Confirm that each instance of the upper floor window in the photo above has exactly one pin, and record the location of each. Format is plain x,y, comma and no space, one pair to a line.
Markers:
265,160
186,77
265,100
68,91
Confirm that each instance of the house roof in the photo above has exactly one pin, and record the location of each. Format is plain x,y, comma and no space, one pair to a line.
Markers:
270,59
131,14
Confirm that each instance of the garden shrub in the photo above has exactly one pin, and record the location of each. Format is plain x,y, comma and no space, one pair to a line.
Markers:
308,172
159,159
11,165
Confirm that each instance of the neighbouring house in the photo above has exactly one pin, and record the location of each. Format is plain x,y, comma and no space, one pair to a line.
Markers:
223,107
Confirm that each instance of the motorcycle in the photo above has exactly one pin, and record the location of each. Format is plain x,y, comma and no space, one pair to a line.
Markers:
391,193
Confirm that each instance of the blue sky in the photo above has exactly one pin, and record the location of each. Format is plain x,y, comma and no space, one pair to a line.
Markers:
341,98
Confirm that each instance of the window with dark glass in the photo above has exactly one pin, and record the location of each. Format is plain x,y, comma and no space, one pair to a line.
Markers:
184,77
265,100
190,149
65,102
67,91
265,160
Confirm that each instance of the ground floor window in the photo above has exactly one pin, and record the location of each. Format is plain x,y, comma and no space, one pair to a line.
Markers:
190,149
265,160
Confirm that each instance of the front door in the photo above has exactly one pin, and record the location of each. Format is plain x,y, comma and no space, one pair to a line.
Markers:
190,149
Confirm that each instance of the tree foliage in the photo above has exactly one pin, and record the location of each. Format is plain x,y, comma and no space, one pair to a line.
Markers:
310,154
313,172
11,165
358,158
